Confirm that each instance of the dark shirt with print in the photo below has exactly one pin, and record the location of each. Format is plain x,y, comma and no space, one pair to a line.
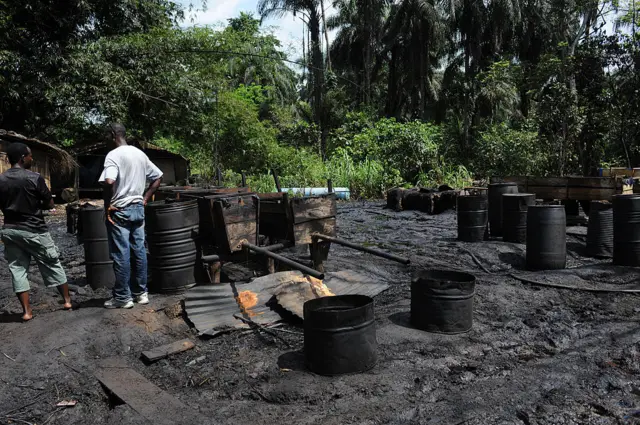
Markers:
23,194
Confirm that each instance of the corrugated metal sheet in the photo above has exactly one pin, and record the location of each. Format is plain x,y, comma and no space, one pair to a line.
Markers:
211,307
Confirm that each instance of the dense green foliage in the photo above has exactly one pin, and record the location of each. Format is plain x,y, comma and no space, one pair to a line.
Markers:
409,91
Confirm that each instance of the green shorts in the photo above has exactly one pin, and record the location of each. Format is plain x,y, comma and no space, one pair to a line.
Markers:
20,246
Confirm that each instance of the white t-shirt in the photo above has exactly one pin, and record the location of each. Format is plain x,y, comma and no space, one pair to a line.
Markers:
130,168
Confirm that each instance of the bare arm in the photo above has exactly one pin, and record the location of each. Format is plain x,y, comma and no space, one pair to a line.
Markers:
107,192
152,189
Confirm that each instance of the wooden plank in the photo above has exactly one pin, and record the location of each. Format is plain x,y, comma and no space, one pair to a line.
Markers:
313,208
239,232
272,207
302,231
591,188
167,350
148,400
239,210
270,196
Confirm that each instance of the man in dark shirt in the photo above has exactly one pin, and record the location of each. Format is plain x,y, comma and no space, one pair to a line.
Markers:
23,196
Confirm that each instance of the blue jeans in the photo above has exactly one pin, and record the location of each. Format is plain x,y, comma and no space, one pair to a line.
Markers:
126,237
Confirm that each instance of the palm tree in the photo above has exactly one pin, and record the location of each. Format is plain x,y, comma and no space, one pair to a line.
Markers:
413,38
358,43
310,10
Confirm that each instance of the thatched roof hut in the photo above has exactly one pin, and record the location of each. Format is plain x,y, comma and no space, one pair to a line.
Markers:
47,158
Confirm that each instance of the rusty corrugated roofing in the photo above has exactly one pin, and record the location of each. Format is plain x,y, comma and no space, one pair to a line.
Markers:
211,307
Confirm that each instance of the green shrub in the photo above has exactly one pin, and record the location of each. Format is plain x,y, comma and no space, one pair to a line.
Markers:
456,176
411,147
504,151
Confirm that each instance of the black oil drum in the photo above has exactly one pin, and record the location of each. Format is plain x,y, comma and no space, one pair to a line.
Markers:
546,237
98,264
171,235
496,190
626,230
600,230
472,214
476,191
340,335
514,216
442,301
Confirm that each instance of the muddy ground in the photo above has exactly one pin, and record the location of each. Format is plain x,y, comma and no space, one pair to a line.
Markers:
535,355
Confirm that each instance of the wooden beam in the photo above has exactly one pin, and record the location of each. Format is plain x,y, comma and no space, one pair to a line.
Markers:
167,350
147,399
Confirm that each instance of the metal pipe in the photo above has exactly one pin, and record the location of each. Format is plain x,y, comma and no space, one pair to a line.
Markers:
348,244
288,262
210,259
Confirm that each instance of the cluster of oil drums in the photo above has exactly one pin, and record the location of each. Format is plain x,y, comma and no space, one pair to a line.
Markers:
613,230
171,228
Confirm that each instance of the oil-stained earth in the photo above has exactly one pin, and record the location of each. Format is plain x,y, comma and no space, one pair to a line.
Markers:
535,355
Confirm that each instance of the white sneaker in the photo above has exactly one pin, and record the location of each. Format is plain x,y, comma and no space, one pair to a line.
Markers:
143,298
113,303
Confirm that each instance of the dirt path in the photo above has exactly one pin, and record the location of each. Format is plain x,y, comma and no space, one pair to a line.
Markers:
535,355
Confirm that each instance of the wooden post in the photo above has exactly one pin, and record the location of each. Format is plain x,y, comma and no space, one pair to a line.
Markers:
271,265
329,186
214,271
219,176
277,180
244,179
319,253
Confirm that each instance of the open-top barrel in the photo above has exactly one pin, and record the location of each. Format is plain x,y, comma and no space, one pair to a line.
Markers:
496,190
171,233
473,214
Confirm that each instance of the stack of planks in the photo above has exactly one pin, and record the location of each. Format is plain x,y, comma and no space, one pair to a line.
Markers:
430,201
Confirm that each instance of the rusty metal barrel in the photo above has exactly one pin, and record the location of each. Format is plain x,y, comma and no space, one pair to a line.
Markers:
514,216
600,230
546,237
442,301
98,264
496,190
340,334
473,214
626,230
171,236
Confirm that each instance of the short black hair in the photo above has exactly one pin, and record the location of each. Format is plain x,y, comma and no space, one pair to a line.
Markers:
117,129
15,152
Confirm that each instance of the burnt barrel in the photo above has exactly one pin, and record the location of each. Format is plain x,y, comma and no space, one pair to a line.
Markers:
600,230
171,237
340,334
442,301
472,212
546,237
514,216
626,230
496,190
98,264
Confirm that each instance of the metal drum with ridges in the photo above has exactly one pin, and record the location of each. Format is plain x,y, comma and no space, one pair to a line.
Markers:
98,264
171,237
496,190
626,230
340,335
514,216
546,237
473,214
600,230
442,301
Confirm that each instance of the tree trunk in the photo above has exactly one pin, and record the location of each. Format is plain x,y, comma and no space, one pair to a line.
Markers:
391,83
317,63
326,34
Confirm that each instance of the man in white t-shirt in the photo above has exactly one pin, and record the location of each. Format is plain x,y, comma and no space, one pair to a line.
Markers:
126,172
